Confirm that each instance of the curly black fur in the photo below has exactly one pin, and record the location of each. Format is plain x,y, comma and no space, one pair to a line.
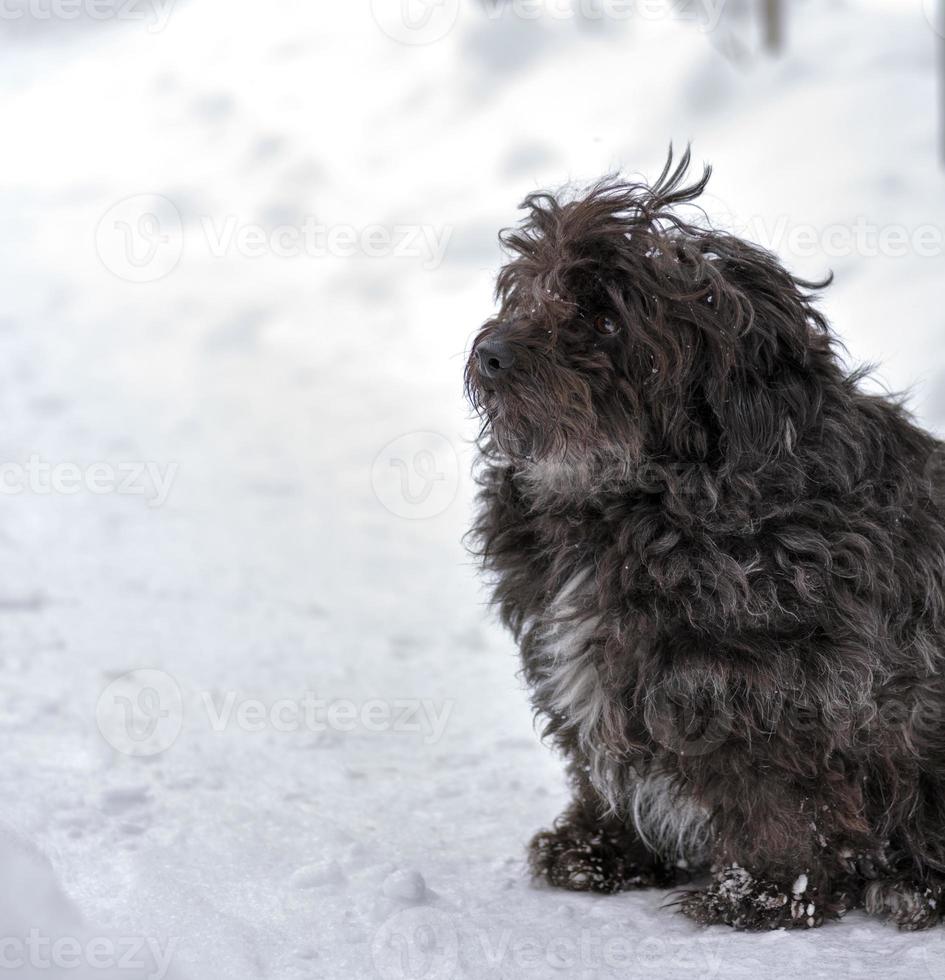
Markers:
724,562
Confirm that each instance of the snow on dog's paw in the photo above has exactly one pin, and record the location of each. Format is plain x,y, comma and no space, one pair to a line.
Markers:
567,858
911,905
739,899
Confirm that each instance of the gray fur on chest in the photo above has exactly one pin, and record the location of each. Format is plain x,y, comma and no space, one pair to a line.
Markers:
571,686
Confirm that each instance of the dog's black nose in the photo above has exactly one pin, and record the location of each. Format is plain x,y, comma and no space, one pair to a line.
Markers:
495,358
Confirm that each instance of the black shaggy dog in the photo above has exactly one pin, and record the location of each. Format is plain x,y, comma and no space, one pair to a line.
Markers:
724,563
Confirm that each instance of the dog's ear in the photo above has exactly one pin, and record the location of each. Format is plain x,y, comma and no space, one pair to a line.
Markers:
773,356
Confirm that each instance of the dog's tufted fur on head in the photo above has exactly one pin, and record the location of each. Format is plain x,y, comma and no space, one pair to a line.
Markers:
724,562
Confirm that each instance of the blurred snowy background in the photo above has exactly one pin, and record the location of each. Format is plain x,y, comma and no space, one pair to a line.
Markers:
256,719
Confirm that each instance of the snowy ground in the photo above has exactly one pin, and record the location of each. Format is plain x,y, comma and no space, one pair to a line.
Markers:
294,401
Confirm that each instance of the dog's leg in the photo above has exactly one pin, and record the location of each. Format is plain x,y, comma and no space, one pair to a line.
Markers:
590,850
777,863
907,885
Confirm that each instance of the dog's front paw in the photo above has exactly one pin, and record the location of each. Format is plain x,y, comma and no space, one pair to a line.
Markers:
911,905
572,858
739,899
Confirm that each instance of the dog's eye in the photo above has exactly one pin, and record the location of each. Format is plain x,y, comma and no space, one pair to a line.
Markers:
605,325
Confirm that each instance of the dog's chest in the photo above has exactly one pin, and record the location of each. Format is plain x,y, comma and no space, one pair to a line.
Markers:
592,714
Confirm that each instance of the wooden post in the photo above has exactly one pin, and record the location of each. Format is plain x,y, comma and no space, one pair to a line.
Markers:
773,14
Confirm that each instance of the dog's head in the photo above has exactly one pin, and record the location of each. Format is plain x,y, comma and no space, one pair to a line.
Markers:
625,330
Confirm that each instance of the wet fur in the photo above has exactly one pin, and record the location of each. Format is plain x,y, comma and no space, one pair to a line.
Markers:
724,562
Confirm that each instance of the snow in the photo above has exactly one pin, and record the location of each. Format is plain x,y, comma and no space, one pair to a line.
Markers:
293,550
406,885
44,934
